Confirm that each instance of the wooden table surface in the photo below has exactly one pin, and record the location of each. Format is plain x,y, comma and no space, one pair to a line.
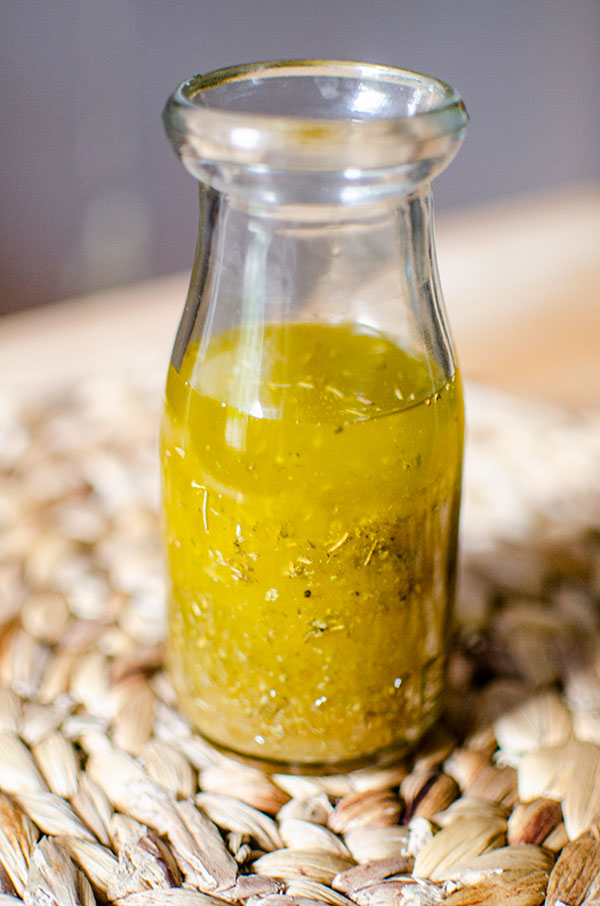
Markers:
521,281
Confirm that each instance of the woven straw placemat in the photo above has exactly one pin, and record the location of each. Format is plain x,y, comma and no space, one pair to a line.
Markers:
107,794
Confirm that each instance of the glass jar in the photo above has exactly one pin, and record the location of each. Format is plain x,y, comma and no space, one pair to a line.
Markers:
312,437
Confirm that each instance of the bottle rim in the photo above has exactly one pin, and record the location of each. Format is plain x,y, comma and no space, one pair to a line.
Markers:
315,115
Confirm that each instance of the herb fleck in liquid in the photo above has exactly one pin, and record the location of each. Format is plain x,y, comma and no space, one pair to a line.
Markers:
311,480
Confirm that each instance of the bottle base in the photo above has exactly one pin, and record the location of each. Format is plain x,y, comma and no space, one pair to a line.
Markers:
379,758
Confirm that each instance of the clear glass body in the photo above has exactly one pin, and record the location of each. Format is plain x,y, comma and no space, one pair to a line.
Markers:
312,436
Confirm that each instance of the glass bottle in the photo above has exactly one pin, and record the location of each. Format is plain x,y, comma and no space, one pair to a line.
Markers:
312,436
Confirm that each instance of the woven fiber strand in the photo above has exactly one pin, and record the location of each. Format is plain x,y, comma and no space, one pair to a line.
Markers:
106,793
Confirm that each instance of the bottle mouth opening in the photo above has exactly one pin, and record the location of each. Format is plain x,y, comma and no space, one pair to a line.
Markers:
315,115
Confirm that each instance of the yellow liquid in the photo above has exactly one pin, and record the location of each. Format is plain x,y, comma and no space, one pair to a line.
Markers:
311,499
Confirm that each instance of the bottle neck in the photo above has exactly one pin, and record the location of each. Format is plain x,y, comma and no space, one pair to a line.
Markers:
314,195
371,264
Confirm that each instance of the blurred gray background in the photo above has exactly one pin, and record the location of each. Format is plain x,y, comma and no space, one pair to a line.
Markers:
92,195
